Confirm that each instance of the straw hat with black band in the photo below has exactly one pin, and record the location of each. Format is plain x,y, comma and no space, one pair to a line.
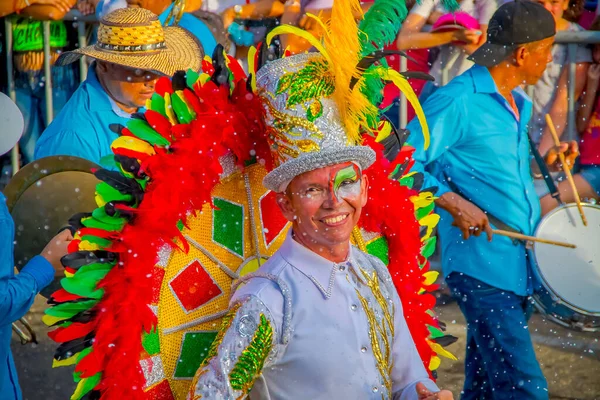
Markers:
134,38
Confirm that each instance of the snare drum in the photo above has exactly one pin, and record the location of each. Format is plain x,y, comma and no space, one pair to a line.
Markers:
571,277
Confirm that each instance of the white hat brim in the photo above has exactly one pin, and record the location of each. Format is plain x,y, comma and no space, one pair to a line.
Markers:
278,179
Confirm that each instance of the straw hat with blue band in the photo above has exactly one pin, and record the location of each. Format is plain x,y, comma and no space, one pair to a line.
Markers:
134,38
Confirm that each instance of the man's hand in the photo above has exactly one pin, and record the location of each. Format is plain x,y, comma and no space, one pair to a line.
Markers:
87,7
467,216
56,249
426,394
570,150
593,74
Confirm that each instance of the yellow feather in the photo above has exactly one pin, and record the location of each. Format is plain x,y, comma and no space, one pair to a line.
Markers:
343,42
441,351
319,21
402,84
84,245
430,277
66,362
169,109
434,363
384,131
252,67
51,320
132,143
430,222
424,199
283,29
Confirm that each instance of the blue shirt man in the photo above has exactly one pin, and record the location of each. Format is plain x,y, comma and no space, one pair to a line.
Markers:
481,147
17,293
82,128
479,159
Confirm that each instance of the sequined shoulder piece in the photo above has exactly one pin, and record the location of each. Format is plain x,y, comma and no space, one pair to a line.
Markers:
243,346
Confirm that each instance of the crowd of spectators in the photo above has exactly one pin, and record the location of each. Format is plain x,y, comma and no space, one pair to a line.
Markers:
437,42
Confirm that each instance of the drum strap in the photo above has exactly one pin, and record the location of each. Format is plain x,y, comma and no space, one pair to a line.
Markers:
544,170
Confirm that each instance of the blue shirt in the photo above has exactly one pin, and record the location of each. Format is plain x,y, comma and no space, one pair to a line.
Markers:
478,142
196,27
323,315
16,296
82,128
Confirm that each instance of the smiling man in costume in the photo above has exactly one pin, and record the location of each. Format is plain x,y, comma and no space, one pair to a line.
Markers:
320,319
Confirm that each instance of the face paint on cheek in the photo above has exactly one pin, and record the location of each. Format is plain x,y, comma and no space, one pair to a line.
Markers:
345,182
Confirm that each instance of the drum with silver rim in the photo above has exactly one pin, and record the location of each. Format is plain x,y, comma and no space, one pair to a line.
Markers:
571,277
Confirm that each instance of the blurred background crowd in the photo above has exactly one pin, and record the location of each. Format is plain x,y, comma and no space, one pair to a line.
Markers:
436,41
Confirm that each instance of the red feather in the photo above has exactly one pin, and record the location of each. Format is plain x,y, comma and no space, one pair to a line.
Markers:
71,332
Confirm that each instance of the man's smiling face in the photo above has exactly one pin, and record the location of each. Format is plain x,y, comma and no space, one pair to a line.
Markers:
325,205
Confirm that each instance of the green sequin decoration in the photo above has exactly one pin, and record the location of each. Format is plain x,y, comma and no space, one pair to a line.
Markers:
251,361
225,324
314,111
312,82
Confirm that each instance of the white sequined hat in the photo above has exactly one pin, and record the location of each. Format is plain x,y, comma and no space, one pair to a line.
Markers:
305,129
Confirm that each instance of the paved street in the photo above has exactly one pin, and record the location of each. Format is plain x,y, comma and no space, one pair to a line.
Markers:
570,360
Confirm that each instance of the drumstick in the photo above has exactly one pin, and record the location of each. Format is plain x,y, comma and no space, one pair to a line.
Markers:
566,168
515,235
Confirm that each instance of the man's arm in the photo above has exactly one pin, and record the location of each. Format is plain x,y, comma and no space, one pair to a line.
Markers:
411,37
559,108
18,292
56,10
242,349
445,118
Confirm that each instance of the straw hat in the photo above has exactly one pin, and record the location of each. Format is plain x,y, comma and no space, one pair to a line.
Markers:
134,37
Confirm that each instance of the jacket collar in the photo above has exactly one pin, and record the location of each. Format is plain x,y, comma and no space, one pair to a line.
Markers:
316,268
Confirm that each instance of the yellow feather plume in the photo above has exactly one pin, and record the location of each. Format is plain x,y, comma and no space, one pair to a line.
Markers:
343,42
401,82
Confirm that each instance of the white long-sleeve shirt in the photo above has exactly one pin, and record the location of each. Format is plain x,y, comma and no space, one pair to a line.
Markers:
338,332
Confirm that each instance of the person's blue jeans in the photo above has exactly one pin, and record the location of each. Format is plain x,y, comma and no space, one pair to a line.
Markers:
31,100
500,362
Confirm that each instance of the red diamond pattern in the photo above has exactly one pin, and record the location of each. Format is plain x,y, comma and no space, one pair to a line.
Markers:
272,219
194,287
162,391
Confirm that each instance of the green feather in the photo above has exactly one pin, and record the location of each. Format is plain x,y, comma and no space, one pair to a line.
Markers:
87,385
407,181
84,283
158,104
434,332
191,77
144,131
424,211
109,193
428,247
183,112
104,243
94,223
71,308
381,24
101,215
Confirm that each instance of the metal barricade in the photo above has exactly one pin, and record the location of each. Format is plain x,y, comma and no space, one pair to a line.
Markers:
73,15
